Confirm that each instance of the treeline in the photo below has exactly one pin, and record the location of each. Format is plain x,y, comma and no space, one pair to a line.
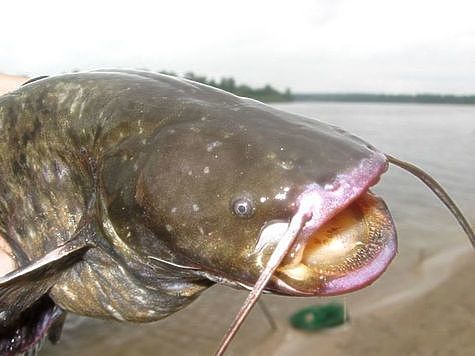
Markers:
266,93
386,98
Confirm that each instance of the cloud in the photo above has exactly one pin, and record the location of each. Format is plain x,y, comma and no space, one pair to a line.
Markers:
365,45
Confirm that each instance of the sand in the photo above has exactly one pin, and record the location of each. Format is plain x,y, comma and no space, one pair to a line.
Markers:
440,321
431,311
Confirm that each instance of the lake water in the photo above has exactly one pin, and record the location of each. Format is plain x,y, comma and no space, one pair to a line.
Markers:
438,138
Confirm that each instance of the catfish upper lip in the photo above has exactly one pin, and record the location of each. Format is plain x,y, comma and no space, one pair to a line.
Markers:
324,202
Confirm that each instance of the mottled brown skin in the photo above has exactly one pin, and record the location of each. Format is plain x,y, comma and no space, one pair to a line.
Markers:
154,163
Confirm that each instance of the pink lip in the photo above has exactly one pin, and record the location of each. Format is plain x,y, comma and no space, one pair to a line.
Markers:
323,203
364,276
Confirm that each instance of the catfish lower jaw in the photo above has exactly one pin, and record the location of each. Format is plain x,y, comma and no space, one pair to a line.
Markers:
345,254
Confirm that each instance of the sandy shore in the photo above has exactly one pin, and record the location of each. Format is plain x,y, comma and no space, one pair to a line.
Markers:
388,318
438,322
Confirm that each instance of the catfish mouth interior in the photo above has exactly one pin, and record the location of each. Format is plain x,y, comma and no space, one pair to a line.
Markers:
346,253
345,246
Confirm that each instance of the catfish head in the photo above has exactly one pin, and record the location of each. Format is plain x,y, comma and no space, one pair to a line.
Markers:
223,187
163,186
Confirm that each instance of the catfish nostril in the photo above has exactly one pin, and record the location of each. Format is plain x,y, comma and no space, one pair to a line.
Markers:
308,215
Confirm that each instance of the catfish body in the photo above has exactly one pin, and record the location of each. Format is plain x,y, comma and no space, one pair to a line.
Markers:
125,194
56,138
62,139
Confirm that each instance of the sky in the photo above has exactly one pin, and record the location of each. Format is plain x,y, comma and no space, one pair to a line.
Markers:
403,46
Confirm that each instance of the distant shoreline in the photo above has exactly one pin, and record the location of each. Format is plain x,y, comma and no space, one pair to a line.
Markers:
271,95
387,98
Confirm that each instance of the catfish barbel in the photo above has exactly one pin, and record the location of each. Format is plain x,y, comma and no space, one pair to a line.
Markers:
125,194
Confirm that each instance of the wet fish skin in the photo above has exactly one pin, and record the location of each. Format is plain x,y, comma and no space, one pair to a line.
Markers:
156,162
47,144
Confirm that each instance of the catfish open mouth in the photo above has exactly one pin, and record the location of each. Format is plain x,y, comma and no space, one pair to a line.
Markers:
347,253
346,237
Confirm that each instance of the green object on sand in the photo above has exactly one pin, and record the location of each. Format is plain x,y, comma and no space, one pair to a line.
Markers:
319,317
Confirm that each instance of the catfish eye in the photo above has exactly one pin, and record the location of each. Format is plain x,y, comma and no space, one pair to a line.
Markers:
243,207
